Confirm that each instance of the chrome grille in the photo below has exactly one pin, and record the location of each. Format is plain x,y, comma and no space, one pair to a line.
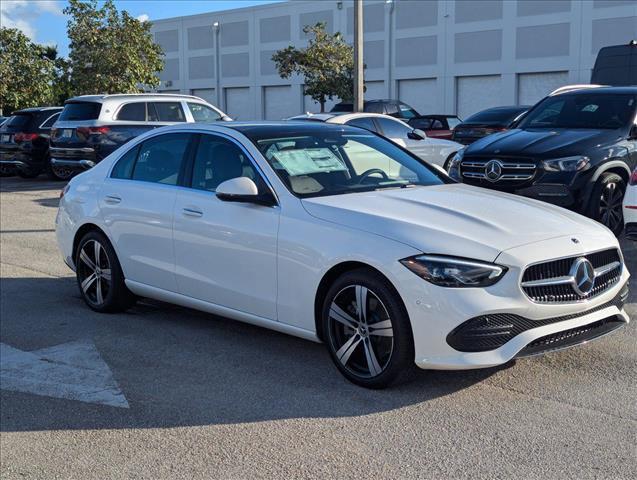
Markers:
553,281
519,170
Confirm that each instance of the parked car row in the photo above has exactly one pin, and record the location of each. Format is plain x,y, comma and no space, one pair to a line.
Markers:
65,141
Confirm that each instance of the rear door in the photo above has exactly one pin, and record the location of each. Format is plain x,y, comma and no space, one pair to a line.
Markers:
137,202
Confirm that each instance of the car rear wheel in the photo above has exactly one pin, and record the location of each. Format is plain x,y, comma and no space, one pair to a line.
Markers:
55,172
7,171
28,172
367,330
607,198
99,275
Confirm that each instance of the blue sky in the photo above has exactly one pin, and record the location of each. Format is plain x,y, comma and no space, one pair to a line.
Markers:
43,21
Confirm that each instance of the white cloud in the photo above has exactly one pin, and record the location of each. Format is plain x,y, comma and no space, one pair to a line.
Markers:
143,17
22,14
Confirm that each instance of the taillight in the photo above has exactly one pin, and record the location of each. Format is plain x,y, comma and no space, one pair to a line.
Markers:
25,137
86,131
64,190
633,178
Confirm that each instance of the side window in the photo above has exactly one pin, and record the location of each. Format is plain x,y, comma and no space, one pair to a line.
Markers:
391,109
203,113
135,112
393,128
169,111
218,160
160,158
50,121
421,123
376,107
437,125
366,123
124,166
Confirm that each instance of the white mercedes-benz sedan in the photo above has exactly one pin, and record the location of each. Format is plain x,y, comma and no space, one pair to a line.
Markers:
335,234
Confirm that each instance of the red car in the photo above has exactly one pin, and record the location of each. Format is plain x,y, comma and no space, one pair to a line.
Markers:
436,126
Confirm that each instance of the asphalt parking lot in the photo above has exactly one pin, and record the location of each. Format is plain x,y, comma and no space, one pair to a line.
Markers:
166,392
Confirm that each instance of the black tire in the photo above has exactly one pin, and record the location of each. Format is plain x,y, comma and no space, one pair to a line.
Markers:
61,174
113,294
28,173
7,171
606,202
448,161
393,362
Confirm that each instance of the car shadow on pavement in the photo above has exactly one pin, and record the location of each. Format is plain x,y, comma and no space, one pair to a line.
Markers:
38,184
179,367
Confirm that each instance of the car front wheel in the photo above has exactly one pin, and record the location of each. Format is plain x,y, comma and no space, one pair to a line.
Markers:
99,275
607,198
367,330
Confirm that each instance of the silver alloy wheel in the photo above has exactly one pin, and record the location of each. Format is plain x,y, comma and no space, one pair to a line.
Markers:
361,331
94,272
610,206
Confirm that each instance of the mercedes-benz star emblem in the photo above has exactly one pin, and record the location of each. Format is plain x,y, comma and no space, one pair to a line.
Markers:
583,275
493,170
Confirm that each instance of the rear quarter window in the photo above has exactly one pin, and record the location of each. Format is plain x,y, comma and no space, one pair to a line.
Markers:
169,112
134,112
20,120
80,111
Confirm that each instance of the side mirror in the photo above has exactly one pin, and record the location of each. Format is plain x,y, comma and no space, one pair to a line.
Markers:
632,135
417,134
243,190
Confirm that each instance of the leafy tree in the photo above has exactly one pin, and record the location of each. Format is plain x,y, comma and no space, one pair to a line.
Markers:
110,52
26,72
327,64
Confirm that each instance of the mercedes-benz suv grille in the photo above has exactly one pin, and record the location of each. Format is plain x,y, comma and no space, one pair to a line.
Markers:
574,278
507,171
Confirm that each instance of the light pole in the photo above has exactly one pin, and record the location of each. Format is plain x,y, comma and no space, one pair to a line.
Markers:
358,56
215,28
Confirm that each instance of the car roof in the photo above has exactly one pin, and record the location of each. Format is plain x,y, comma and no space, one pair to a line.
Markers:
317,117
36,110
600,90
351,116
132,96
437,115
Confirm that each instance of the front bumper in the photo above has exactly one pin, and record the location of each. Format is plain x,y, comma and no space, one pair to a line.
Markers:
435,312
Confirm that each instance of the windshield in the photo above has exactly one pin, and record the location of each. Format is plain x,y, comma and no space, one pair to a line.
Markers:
335,163
590,110
453,122
495,116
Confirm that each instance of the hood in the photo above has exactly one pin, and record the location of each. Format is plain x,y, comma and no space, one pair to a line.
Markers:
453,219
544,143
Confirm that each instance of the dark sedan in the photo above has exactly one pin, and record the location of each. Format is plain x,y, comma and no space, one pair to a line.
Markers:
487,122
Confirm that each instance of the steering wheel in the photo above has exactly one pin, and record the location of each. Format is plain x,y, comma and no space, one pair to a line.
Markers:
372,171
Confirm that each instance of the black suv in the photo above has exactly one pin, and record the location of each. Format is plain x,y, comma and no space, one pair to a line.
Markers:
394,108
24,142
575,149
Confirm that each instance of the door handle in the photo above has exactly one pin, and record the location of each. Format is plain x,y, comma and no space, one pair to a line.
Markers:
112,199
192,212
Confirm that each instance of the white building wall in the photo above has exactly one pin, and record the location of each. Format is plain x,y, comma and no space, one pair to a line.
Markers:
441,56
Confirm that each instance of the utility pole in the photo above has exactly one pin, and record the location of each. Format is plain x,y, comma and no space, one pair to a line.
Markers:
358,56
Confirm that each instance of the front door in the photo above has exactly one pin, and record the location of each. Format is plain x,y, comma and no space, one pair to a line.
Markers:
225,252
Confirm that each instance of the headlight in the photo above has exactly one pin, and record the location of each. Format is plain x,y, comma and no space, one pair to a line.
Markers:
454,272
567,164
454,165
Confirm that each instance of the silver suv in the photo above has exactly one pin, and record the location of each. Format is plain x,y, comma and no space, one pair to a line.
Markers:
93,126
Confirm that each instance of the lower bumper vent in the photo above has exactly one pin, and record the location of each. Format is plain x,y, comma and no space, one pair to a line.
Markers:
488,332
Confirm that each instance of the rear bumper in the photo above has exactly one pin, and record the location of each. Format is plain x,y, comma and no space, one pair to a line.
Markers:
79,164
